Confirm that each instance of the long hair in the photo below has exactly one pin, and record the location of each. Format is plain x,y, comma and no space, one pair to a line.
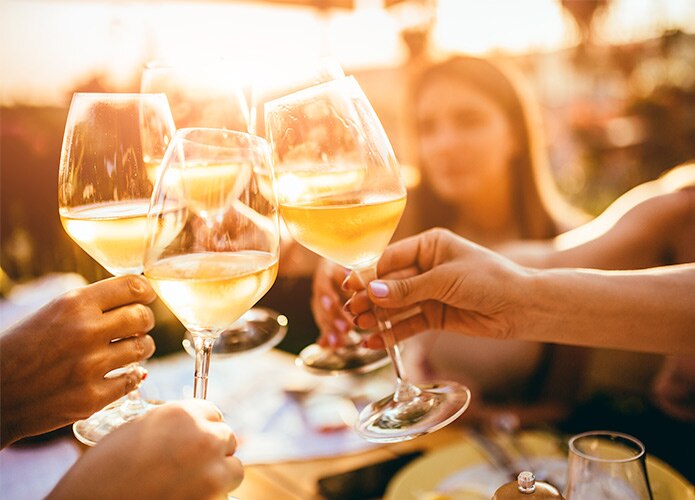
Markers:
533,188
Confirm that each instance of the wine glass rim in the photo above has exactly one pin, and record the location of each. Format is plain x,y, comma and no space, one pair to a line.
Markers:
640,450
181,133
310,90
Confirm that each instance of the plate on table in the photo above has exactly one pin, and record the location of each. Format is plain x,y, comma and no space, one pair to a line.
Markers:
461,471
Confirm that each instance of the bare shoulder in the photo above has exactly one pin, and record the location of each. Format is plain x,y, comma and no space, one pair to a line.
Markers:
670,197
652,224
678,178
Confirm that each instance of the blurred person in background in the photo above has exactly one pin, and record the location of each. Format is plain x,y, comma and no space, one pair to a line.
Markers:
485,176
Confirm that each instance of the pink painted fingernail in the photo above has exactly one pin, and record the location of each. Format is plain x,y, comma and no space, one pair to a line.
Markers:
379,288
341,325
326,302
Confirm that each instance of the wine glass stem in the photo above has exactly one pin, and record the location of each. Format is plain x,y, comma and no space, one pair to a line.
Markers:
133,402
203,350
405,391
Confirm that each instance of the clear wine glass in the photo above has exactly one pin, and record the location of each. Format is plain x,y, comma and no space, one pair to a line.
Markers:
213,234
341,195
607,465
213,95
104,194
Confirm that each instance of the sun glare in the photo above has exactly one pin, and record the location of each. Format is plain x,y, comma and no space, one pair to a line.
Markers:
503,25
47,47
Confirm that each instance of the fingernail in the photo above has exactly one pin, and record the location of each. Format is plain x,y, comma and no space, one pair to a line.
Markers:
138,285
341,325
332,339
326,302
344,284
219,412
346,306
372,342
379,289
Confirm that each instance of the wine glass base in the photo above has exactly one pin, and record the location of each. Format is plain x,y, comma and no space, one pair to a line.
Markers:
258,329
388,421
343,360
90,430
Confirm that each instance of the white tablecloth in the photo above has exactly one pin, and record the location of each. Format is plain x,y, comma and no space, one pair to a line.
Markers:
271,425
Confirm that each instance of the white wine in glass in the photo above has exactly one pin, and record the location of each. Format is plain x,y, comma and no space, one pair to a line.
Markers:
212,95
223,259
341,195
104,195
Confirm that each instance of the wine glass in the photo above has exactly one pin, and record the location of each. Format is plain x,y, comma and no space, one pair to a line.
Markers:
606,465
341,195
212,95
350,358
213,234
104,194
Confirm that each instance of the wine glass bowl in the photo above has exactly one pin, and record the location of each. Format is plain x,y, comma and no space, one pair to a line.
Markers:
211,253
341,195
607,465
104,194
211,95
332,201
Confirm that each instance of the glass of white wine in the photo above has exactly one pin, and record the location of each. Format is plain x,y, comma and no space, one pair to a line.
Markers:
341,195
212,94
104,194
213,233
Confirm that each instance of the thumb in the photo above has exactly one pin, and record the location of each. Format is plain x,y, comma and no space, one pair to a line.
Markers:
402,292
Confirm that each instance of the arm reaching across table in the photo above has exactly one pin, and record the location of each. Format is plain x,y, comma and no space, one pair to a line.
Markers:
464,287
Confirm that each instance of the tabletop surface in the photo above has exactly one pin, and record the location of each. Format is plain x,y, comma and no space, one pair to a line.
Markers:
265,477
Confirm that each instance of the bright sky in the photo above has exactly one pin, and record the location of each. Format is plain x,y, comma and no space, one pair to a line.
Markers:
46,46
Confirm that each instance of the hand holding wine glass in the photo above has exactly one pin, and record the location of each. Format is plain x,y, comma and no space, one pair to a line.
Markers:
212,252
79,327
104,195
341,195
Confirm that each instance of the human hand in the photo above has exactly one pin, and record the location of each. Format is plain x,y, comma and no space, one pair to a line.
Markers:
52,364
458,286
179,450
326,303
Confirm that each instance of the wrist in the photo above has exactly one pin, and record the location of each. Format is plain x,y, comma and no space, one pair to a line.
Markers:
530,286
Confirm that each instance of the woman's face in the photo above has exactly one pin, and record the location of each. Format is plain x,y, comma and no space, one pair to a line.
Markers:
466,143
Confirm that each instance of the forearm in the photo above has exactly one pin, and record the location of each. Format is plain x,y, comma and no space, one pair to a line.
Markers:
651,310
